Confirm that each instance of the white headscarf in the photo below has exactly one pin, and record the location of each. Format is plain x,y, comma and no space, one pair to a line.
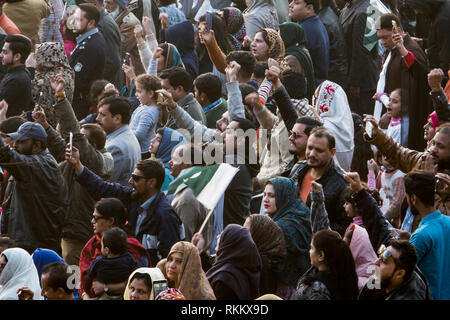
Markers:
334,111
19,271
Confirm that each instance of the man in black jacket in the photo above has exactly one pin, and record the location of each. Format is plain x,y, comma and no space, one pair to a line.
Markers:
396,275
363,70
88,57
320,167
15,88
151,218
35,209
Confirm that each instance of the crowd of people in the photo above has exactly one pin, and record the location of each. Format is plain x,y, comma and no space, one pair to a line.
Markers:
116,114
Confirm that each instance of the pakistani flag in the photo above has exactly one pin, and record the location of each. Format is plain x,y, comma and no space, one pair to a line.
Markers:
207,183
375,9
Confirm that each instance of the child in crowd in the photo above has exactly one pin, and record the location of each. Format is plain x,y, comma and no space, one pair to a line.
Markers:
115,264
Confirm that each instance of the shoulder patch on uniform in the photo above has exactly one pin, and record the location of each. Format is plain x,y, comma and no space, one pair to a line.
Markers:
78,67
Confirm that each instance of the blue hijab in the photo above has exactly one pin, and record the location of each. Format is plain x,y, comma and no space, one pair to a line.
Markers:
43,257
170,139
181,35
293,217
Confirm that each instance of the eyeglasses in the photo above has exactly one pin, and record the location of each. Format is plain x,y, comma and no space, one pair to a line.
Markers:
295,134
136,177
385,254
96,218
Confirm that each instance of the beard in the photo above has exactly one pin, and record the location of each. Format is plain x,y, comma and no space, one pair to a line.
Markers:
443,164
414,210
386,282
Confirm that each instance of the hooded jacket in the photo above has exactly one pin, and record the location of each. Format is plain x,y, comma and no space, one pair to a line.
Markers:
181,35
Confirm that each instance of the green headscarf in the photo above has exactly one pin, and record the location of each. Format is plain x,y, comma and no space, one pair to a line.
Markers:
294,37
293,217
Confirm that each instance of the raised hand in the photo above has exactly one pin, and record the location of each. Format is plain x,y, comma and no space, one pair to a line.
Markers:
371,119
57,82
138,34
129,70
147,24
435,79
164,18
38,116
167,100
232,71
3,109
353,179
372,165
206,36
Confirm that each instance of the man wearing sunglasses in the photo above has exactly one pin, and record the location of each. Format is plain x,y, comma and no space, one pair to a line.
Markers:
151,218
396,276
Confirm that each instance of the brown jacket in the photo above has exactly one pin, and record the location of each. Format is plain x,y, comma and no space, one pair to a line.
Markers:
407,160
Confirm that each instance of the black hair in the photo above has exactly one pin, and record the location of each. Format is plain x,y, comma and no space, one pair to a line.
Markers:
147,280
58,276
91,12
339,261
96,135
118,105
11,124
408,257
177,76
260,69
294,83
385,21
209,84
95,90
164,3
422,184
310,124
7,242
115,239
19,43
315,4
112,208
152,169
220,32
325,133
245,59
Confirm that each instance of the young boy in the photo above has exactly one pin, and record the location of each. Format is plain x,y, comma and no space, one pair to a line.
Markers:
116,263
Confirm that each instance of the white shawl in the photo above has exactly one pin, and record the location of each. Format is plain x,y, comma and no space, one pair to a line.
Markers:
19,271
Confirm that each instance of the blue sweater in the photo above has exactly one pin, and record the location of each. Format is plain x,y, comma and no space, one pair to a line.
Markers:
318,46
143,124
432,242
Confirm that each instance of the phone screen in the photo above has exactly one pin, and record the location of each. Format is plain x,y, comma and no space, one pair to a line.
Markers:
208,20
70,143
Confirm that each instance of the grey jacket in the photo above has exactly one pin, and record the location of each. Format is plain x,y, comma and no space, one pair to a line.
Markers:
184,121
77,224
191,106
126,152
261,14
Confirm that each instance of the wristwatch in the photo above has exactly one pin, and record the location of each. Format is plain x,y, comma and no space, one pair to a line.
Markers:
105,288
60,95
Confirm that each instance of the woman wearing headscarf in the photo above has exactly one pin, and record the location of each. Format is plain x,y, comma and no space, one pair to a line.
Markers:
50,59
166,55
183,271
17,270
269,240
43,257
293,217
140,284
161,146
296,56
235,25
266,44
108,213
260,14
181,35
332,105
235,274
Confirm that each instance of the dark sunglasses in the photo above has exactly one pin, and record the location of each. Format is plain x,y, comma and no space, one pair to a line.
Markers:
96,218
136,177
295,134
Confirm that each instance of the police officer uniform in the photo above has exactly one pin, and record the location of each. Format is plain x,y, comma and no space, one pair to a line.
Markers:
88,62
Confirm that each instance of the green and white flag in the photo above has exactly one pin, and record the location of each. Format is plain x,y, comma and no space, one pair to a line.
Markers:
207,183
375,9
